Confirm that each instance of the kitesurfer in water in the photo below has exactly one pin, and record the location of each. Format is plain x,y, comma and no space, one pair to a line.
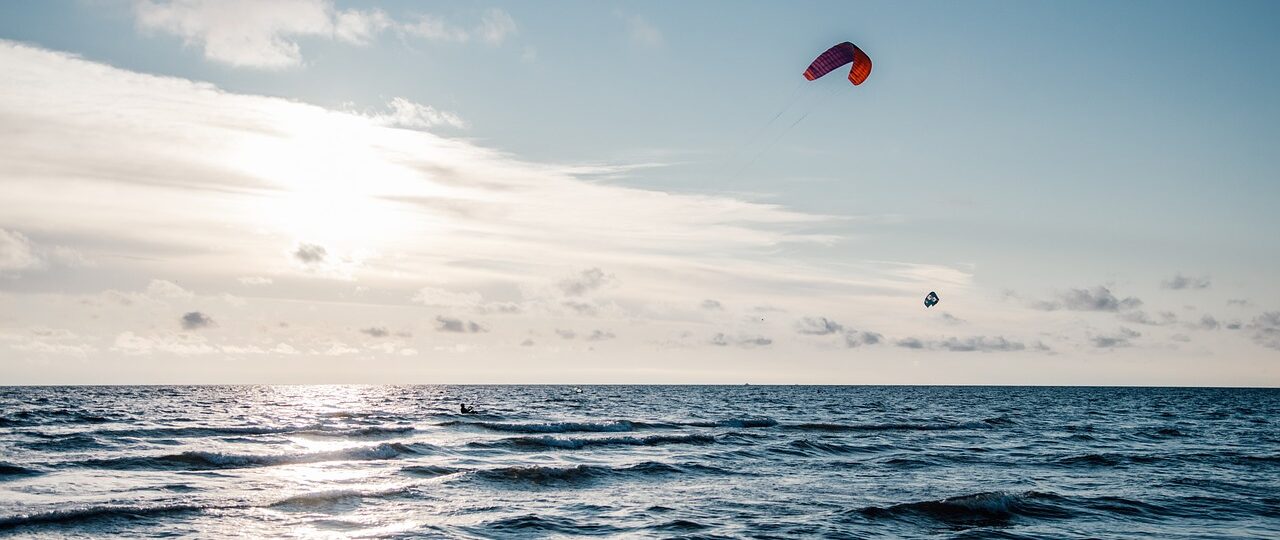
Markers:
467,410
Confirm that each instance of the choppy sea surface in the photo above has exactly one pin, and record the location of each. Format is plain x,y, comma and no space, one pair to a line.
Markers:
639,462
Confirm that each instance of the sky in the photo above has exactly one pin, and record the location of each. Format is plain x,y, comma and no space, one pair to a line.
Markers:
316,191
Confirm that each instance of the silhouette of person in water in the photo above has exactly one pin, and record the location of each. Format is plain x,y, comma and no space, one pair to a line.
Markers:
468,410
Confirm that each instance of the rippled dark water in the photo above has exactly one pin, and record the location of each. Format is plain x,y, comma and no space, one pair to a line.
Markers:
639,461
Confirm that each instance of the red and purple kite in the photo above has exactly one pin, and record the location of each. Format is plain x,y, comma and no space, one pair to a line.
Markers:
840,55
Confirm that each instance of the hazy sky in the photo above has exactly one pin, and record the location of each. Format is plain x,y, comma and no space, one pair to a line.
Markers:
310,191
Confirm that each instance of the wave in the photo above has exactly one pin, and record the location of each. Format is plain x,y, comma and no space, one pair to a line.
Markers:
199,460
979,509
805,447
530,524
735,423
897,426
51,416
315,430
102,512
63,443
9,470
430,471
80,514
315,499
577,443
609,426
364,432
548,427
549,475
1105,460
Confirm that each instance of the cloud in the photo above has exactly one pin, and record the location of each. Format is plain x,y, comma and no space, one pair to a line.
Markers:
1139,316
1121,338
265,35
566,334
723,340
980,343
1179,282
1239,302
1096,299
951,319
162,289
818,326
1233,325
526,343
712,304
376,331
360,27
911,343
642,33
255,280
433,296
195,320
447,324
965,344
600,335
1208,322
581,308
588,280
1265,329
857,339
16,252
181,344
494,27
310,254
247,33
407,114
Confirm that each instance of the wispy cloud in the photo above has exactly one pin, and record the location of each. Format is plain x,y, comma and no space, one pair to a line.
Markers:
586,281
449,324
1180,282
721,339
1265,329
405,113
963,344
643,33
1096,299
1123,337
376,331
16,252
818,326
265,35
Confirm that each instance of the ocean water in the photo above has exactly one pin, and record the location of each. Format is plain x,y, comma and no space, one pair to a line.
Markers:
639,462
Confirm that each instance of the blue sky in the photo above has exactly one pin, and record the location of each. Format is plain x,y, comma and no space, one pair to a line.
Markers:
1012,152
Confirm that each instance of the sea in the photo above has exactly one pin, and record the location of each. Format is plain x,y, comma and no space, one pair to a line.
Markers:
639,462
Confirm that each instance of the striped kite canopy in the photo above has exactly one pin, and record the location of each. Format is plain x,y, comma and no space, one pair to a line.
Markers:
840,55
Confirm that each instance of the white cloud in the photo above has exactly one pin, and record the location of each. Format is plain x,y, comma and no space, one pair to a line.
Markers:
16,252
265,35
359,27
643,33
242,33
407,114
495,26
161,289
255,280
180,344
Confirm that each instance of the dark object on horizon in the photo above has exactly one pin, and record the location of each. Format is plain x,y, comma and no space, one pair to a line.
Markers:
931,300
467,410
